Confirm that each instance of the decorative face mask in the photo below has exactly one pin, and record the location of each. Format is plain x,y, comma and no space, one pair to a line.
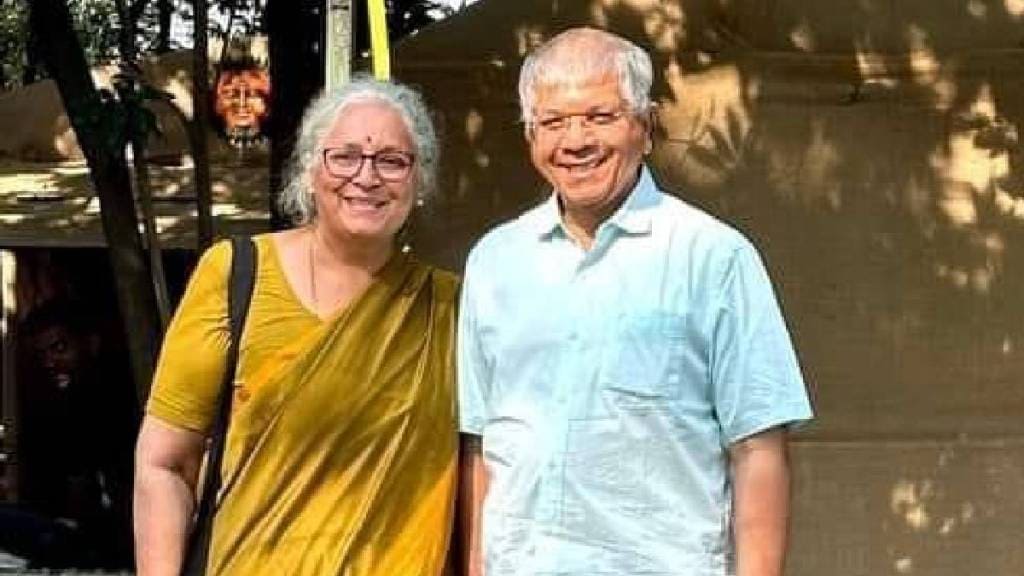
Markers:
243,103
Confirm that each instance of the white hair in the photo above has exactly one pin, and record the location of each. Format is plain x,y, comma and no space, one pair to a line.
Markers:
582,54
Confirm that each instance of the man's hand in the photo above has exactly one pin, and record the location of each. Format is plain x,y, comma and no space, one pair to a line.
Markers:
473,481
760,475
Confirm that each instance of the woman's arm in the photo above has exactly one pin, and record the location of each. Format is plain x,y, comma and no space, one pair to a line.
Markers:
167,460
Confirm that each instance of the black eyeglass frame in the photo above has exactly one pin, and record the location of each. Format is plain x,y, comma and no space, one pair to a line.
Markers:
409,156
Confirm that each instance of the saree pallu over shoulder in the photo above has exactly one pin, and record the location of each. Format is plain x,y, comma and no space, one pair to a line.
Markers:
342,445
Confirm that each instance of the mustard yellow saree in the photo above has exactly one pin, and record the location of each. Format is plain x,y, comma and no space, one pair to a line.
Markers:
341,448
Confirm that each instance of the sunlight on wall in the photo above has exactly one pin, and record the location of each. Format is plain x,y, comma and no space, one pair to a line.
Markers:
528,37
12,218
663,22
977,8
474,131
922,64
969,176
802,36
1014,7
65,141
820,163
16,183
908,502
706,123
474,125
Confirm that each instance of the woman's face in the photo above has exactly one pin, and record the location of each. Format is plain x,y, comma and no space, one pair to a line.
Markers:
364,179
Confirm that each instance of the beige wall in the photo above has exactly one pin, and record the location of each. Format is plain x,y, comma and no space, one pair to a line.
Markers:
869,148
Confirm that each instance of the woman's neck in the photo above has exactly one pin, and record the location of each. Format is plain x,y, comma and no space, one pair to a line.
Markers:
348,252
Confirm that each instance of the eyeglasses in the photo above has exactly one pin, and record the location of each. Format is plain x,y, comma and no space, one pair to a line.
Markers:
594,119
389,165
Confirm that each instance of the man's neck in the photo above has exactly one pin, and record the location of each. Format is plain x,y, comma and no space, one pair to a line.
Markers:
582,229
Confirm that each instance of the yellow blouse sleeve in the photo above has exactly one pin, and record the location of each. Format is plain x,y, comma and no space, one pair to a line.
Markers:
190,370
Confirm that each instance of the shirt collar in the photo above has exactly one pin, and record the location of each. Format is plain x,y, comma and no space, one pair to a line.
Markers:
632,217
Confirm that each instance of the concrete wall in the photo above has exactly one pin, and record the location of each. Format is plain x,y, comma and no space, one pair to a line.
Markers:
870,149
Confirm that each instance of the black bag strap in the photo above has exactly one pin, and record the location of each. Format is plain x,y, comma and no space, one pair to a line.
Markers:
240,285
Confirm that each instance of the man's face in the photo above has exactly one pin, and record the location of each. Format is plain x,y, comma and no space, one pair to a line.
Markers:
59,353
587,144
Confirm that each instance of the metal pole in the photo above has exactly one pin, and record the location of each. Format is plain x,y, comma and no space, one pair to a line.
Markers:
338,43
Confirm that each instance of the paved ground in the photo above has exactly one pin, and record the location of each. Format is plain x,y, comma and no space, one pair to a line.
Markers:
12,565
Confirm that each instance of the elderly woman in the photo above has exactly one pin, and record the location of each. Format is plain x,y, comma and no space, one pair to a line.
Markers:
341,447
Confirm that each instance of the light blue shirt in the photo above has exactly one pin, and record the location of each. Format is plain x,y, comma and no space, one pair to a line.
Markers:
608,384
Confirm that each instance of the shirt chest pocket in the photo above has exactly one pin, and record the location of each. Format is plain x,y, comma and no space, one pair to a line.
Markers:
643,354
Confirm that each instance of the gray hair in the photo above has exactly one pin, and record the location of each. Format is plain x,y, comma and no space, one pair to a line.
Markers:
582,54
296,199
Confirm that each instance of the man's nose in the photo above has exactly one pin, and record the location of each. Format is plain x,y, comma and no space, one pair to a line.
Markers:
577,134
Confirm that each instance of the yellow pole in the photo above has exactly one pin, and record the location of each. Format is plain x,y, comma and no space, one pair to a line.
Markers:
379,40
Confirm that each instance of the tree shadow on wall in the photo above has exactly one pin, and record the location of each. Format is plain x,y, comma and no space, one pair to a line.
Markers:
869,148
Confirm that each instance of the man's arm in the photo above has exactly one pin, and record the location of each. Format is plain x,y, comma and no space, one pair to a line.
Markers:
473,482
167,461
760,475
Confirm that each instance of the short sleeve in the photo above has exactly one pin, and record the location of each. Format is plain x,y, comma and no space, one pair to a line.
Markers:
473,367
755,374
190,370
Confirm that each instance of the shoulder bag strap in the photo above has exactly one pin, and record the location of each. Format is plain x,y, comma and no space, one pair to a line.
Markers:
240,286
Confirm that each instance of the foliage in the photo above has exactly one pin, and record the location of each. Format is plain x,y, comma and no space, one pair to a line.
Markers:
122,115
91,19
97,23
13,41
405,17
234,17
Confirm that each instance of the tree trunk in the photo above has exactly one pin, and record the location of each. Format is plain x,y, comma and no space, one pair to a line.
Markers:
126,33
136,138
200,125
129,14
295,30
65,62
165,10
156,263
32,64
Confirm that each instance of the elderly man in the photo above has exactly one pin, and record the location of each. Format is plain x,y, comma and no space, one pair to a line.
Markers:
625,373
